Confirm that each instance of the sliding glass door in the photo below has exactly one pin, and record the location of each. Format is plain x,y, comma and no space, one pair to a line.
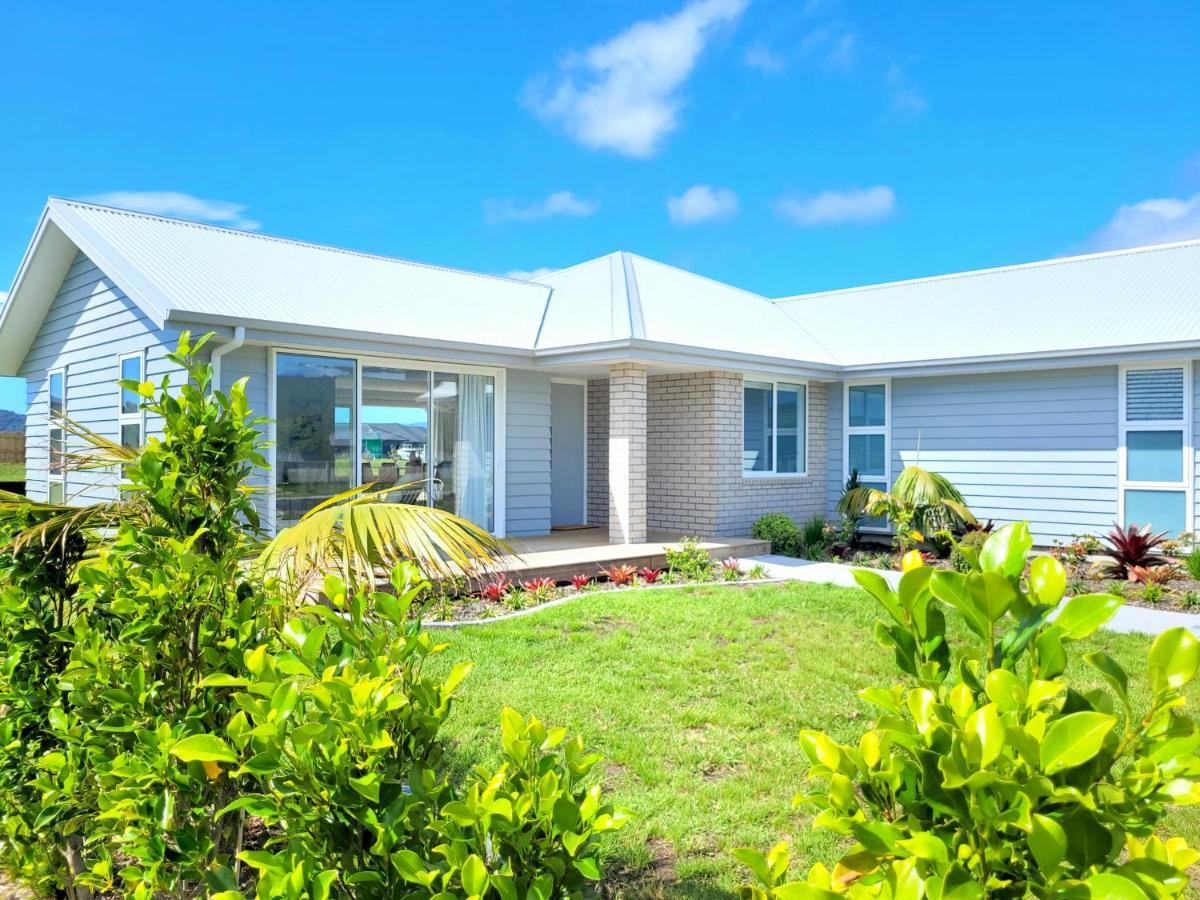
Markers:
430,435
314,428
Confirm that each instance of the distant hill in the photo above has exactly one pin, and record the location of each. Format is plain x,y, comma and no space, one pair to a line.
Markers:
11,421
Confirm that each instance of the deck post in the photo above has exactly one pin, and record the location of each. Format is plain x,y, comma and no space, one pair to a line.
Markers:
627,454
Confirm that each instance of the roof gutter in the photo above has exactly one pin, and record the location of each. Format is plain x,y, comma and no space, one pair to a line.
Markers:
239,338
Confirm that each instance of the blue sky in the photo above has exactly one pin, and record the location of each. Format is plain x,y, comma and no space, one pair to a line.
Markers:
780,146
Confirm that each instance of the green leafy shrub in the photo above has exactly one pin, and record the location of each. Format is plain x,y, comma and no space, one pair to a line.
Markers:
690,562
192,731
965,552
1191,562
919,504
988,773
780,530
814,538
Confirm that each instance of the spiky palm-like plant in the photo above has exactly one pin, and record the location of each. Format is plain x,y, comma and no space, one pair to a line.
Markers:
920,503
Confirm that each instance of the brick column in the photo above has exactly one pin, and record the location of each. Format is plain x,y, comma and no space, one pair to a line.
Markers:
627,454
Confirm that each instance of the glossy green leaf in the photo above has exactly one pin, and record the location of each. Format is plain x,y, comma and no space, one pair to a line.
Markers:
991,593
1005,689
1004,552
987,733
1083,614
203,748
1073,740
474,876
1112,672
1114,887
1174,659
1047,580
1047,842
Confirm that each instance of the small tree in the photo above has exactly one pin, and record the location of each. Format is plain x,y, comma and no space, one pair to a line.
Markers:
988,774
919,504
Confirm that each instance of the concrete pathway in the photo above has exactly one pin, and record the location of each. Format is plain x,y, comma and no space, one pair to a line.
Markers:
1140,619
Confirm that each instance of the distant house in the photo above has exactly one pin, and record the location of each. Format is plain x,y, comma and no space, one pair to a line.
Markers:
624,392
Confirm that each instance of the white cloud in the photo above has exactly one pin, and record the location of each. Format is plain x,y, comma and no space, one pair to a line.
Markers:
760,56
624,94
834,48
180,205
905,96
851,206
529,274
560,203
702,203
1155,221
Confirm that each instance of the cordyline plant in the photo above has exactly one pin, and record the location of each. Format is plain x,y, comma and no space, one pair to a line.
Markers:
988,774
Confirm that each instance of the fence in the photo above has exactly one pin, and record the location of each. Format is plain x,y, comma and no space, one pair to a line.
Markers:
12,447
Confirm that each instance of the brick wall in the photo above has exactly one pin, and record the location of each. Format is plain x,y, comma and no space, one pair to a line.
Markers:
694,457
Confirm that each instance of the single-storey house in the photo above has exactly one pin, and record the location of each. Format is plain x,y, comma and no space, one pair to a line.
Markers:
622,392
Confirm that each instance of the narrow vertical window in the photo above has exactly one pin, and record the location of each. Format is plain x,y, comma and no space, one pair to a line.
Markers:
130,418
1154,447
867,438
56,446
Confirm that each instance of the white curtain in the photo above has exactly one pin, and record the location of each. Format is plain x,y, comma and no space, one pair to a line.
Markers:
473,451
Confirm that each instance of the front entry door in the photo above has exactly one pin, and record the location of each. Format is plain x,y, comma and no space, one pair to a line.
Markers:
568,461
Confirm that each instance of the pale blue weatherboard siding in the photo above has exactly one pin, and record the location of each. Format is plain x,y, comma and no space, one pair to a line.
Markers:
528,459
251,362
90,323
1038,446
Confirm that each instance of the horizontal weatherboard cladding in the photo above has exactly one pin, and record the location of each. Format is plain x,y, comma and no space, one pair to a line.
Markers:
527,438
89,325
1036,446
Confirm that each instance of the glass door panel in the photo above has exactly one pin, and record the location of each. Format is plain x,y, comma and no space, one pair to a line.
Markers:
395,432
314,425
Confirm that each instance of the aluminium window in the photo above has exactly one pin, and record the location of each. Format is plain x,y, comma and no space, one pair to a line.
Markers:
774,428
56,436
866,430
131,419
1154,449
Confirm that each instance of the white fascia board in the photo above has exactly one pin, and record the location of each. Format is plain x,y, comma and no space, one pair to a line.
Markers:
610,352
312,337
1018,362
95,247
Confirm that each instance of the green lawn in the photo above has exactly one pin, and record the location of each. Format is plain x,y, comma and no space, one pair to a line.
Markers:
12,471
695,697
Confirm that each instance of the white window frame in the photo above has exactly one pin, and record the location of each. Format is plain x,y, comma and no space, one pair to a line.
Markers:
123,418
1186,484
775,382
499,382
885,429
52,477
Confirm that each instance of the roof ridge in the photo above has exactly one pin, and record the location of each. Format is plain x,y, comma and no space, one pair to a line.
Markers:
724,284
993,270
637,319
330,248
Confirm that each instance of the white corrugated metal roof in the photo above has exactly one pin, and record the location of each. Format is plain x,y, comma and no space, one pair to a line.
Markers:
214,271
1145,297
1142,296
622,296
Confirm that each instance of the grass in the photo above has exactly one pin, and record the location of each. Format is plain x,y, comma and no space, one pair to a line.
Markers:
695,697
12,471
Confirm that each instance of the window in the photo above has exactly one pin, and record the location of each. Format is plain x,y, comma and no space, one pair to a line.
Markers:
131,420
865,429
774,436
57,436
1155,424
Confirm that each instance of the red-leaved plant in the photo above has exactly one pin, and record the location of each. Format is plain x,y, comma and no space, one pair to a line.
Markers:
579,582
539,585
1133,548
496,589
649,575
620,574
